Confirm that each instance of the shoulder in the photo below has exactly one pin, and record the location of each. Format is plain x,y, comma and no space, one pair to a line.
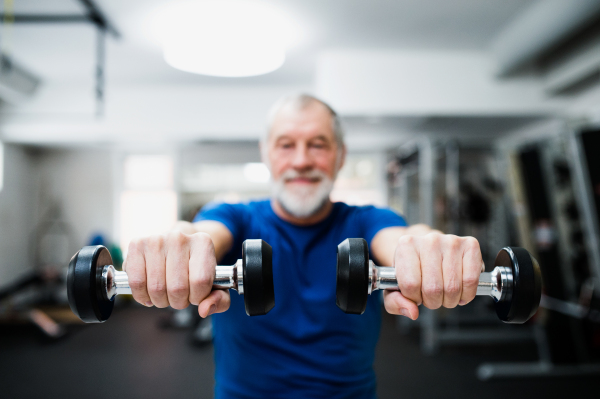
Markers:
370,215
232,209
368,210
248,206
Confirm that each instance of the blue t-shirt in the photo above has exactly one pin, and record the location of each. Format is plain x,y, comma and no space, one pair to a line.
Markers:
305,347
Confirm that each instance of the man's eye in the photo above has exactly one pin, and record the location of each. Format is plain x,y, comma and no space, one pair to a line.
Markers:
286,146
318,145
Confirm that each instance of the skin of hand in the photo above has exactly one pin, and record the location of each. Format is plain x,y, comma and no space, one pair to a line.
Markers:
432,268
178,268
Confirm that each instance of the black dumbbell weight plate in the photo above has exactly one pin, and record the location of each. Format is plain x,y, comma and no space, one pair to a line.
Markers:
259,292
352,281
83,279
524,298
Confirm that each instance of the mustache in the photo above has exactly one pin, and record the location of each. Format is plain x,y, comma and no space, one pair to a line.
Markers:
314,174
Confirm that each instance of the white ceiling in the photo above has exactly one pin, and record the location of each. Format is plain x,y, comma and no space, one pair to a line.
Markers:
148,100
66,52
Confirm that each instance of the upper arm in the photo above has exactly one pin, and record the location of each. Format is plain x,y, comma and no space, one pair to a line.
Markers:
221,237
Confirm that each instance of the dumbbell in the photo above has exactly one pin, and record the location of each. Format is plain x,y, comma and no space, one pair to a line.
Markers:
93,283
515,284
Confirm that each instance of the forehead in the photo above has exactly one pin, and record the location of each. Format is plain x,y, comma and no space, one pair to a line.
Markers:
302,123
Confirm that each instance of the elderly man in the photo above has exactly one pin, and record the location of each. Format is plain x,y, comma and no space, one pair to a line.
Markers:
305,347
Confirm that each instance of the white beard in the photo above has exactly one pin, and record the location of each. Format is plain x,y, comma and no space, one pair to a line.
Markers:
302,202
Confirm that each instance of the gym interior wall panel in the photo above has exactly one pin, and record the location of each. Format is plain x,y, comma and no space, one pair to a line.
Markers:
76,187
17,213
215,152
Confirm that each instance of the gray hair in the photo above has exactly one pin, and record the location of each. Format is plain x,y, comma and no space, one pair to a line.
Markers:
300,101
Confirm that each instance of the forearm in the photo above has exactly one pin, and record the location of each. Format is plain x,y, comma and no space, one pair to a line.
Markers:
221,236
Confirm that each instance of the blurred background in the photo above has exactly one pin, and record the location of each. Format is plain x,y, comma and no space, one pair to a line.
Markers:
118,118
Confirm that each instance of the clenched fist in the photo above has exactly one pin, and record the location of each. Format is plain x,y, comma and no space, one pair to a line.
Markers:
175,270
436,270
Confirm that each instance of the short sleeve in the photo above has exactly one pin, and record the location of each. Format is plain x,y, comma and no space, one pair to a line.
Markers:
231,215
375,219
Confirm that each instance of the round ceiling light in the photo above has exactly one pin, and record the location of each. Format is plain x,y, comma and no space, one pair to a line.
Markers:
226,38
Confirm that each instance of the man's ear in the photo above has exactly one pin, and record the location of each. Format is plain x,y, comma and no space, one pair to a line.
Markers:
264,156
342,159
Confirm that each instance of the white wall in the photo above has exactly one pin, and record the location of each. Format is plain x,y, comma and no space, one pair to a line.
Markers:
361,82
80,181
63,115
17,213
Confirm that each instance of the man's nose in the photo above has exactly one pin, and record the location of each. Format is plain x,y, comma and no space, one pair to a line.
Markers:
302,159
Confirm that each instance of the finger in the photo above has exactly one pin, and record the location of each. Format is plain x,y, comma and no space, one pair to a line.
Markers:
432,286
202,267
408,269
452,271
471,269
135,265
396,303
217,302
177,263
155,271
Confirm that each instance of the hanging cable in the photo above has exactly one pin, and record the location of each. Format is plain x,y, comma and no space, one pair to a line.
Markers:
100,62
6,39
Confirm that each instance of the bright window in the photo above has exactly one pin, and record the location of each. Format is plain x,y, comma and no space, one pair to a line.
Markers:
148,201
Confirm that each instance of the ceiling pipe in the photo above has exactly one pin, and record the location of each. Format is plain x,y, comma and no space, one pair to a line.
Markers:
535,31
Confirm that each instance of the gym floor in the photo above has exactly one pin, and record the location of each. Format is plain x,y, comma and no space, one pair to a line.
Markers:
130,357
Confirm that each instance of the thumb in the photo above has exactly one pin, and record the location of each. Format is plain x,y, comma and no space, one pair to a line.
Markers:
396,303
217,302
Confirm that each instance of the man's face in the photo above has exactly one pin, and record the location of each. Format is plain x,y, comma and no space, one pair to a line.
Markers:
304,158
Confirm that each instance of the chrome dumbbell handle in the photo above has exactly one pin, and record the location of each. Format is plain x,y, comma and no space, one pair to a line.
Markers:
114,282
497,283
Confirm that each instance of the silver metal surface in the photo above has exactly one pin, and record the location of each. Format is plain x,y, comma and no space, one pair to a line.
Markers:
224,277
497,283
115,282
239,276
384,278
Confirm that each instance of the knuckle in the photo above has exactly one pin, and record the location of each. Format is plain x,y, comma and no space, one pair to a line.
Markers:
433,290
471,243
178,290
454,243
155,243
201,280
177,239
406,240
453,288
432,240
136,283
203,240
156,287
134,246
410,285
470,281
